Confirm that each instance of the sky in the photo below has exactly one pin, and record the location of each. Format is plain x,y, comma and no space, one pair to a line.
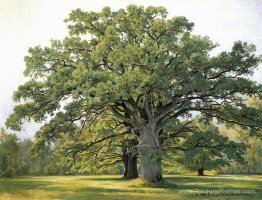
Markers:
27,23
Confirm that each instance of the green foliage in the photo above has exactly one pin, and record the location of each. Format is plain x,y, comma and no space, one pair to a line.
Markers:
15,158
93,151
8,154
127,53
253,156
207,149
145,69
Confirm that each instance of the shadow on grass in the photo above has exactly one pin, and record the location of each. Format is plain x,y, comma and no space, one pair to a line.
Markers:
211,182
96,193
137,192
121,188
11,185
205,182
88,189
104,179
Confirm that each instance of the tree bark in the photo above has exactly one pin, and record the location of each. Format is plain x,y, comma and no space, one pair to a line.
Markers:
129,159
149,151
200,172
132,167
125,160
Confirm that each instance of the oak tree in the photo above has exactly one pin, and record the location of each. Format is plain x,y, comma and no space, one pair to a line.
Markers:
141,66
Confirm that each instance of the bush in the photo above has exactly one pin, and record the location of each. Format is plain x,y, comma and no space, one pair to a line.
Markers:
10,172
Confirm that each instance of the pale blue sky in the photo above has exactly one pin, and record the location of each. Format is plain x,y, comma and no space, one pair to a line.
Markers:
25,23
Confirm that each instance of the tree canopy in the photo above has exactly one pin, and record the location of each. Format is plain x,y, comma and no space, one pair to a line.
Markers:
142,67
207,149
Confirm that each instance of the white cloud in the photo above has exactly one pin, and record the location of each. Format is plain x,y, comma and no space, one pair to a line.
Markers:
25,23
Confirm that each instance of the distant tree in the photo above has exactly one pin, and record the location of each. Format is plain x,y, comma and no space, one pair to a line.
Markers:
207,149
143,68
9,150
25,161
254,152
16,159
253,155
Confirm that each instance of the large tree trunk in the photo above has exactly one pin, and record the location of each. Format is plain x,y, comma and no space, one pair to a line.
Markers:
200,172
149,151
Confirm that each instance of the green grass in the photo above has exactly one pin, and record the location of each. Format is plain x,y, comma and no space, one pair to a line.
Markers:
116,188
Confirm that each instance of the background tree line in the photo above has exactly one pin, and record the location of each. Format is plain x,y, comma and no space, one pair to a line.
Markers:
17,157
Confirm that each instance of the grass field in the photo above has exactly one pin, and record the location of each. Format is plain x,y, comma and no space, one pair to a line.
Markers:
115,188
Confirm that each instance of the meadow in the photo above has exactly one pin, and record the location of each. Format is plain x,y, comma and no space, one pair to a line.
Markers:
105,187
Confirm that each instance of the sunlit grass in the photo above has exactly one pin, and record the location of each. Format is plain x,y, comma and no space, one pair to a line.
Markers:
116,188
